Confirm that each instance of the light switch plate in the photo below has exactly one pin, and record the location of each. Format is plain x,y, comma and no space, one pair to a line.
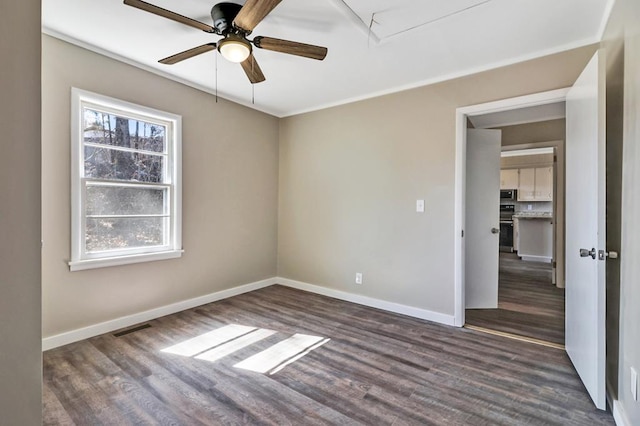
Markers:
420,206
634,384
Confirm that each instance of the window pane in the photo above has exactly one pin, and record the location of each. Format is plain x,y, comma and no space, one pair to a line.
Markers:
105,163
123,233
111,129
125,182
109,200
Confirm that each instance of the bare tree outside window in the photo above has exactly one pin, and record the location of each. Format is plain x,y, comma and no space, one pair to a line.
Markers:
119,153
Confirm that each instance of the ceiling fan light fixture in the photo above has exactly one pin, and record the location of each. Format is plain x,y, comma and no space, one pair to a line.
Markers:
234,48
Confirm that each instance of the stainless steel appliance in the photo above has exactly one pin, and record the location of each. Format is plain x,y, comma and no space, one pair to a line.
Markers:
506,226
508,195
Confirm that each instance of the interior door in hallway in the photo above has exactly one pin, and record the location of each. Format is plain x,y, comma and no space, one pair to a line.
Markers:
482,218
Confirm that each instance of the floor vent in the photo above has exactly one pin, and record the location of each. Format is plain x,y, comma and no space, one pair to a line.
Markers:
131,330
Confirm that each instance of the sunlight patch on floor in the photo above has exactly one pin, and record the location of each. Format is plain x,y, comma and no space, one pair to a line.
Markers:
209,340
224,341
235,345
282,353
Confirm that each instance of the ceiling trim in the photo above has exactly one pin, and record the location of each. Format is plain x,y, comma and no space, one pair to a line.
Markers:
605,19
450,76
144,67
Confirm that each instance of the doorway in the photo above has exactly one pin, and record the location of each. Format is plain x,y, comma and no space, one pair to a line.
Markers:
537,102
530,306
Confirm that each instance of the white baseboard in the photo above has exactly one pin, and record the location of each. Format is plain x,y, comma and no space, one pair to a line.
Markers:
530,258
129,320
619,415
369,301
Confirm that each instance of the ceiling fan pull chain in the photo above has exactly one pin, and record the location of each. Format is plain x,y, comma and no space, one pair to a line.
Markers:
253,86
216,76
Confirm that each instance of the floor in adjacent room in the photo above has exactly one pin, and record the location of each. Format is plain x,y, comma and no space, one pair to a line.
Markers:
529,304
283,356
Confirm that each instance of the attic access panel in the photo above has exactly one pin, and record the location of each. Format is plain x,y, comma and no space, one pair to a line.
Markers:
385,19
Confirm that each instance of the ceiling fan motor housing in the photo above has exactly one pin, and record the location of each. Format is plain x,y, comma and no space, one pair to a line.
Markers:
223,15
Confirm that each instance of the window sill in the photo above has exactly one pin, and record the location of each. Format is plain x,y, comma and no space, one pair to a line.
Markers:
81,265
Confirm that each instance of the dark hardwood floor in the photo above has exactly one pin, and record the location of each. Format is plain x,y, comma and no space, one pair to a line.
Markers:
378,368
528,304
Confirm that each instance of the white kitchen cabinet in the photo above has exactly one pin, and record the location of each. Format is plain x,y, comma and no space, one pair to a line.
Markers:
544,184
536,184
527,185
516,234
509,179
535,239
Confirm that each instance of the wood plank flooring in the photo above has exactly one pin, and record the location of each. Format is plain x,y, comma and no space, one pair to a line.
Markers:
377,368
528,304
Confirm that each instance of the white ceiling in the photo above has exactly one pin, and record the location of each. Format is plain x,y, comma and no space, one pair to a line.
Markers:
375,46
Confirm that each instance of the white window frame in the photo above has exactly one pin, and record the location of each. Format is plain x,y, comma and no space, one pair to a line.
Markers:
172,247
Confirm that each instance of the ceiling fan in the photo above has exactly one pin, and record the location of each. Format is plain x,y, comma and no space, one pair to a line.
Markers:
235,23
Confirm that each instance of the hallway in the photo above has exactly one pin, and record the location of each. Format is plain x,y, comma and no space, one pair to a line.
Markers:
528,304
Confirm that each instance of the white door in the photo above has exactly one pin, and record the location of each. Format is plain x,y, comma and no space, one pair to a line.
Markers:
482,221
585,229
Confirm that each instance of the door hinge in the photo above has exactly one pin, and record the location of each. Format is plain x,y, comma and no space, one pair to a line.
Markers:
462,233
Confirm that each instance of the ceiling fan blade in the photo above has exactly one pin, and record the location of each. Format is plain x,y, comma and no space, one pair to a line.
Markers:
174,59
253,12
291,47
252,69
156,10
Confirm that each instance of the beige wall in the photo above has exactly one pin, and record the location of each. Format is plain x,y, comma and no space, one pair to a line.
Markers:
523,161
542,131
622,42
20,334
350,176
230,183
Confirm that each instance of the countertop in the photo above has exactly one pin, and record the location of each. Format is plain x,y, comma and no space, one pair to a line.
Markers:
533,215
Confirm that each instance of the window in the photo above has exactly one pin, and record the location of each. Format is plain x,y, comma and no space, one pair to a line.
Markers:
125,183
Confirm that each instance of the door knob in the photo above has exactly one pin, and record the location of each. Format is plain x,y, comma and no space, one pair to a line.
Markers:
587,253
602,255
495,230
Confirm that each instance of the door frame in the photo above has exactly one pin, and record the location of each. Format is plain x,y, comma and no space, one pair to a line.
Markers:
462,114
557,275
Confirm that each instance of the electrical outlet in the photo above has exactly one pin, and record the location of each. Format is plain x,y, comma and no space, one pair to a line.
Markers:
634,384
420,206
529,206
358,277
